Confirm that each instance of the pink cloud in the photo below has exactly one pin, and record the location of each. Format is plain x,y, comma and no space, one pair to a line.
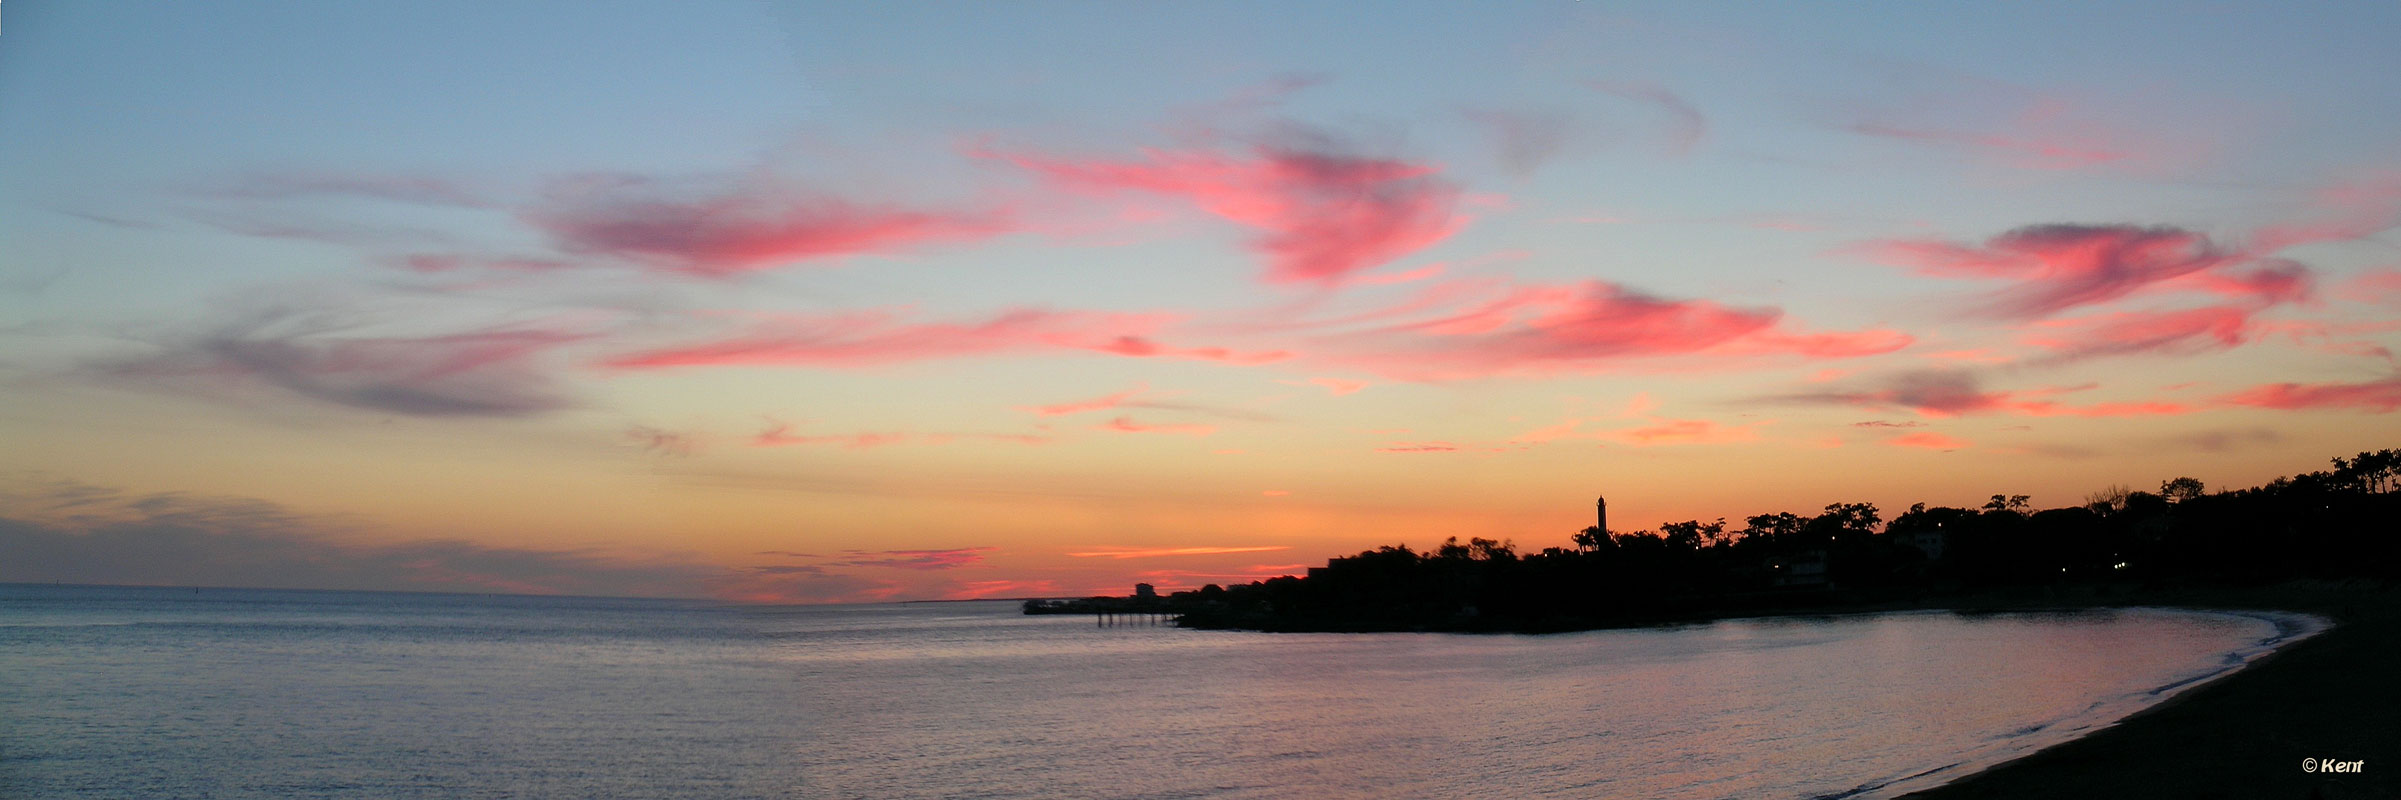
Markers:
1583,327
913,559
1128,425
1157,552
2277,282
1684,431
782,436
1141,347
873,338
1006,589
1335,386
1101,403
2174,332
1949,393
1974,356
2345,211
2333,337
1323,215
1418,447
1640,404
2377,286
2379,396
1410,276
1928,440
2060,267
737,230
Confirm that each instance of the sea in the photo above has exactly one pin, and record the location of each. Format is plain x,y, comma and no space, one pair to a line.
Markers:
112,692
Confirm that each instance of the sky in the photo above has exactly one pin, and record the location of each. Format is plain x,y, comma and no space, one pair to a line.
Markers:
800,302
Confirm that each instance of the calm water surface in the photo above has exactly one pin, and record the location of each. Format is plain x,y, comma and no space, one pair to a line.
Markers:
118,692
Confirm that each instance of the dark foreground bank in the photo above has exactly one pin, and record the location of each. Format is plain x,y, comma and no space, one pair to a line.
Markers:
2334,698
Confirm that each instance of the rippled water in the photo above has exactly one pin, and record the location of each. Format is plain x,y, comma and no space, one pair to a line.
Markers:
111,692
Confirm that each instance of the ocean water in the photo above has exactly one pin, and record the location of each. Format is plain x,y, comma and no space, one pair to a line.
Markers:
219,693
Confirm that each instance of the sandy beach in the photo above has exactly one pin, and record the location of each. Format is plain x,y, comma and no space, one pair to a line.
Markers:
2271,730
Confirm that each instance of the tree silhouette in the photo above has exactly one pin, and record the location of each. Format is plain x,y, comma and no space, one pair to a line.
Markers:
2178,490
2332,525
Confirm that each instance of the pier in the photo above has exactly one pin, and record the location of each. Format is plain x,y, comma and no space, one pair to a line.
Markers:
1111,611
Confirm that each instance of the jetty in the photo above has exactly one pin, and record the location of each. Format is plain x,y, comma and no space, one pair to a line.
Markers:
1143,607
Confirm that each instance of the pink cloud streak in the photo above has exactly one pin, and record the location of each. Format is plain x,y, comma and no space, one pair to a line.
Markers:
1157,552
1927,440
1101,403
1128,425
2379,396
1582,327
782,436
740,230
1322,215
873,338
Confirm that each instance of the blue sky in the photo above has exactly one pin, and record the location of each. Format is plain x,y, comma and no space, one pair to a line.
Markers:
948,300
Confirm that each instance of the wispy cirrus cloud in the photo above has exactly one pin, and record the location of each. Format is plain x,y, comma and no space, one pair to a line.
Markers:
1334,386
1928,440
491,372
1950,393
2065,266
1158,552
790,584
880,337
783,436
716,230
1582,328
1323,213
2381,286
432,263
2178,332
301,184
2033,150
1129,425
1002,589
2014,126
2342,211
67,532
661,441
1523,141
1684,431
1144,347
1418,447
1101,403
2377,396
949,558
1683,124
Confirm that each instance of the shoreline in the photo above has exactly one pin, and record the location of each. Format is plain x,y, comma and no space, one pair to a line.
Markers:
2238,733
2242,733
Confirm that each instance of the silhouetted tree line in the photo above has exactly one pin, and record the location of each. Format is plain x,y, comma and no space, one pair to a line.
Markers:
2339,524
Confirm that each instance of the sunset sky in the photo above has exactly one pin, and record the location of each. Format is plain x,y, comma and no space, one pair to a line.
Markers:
838,302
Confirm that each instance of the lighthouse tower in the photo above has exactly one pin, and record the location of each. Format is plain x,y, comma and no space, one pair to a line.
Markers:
1601,508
